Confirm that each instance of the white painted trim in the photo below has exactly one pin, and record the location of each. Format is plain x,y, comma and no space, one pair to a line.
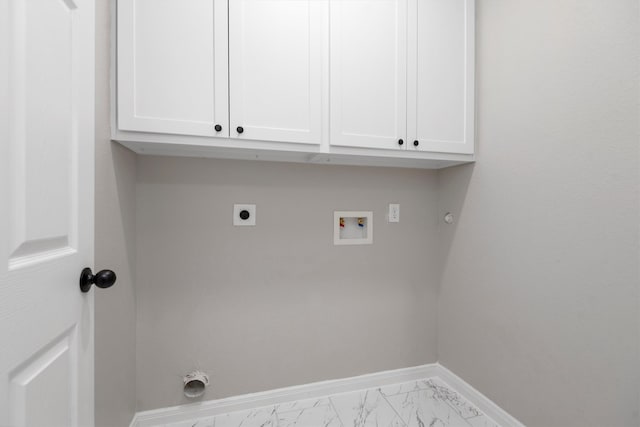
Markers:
482,402
323,388
281,395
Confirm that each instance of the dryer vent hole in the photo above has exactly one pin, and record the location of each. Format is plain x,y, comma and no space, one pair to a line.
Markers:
194,388
195,384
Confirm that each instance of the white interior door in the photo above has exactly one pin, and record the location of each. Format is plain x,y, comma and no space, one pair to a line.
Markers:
46,212
277,56
441,76
369,73
172,67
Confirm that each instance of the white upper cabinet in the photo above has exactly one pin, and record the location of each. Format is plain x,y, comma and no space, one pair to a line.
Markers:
368,73
172,66
376,82
277,56
441,76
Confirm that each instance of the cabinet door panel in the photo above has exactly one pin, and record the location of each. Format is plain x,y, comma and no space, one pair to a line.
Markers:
441,82
277,55
172,66
368,73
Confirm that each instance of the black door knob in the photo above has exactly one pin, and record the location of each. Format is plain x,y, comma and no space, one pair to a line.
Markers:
416,143
102,279
400,142
240,129
218,128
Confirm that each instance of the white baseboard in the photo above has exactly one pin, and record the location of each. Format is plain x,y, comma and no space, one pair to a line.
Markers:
319,389
482,402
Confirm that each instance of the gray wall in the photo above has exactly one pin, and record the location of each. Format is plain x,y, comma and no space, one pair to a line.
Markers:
278,304
539,297
538,303
114,248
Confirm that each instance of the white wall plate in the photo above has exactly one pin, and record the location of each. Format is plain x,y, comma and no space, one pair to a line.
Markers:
238,215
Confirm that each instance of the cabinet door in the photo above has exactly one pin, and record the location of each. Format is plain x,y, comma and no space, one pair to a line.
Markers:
276,59
368,73
172,66
441,76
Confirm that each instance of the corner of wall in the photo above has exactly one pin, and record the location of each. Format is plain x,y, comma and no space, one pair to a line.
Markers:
451,187
115,195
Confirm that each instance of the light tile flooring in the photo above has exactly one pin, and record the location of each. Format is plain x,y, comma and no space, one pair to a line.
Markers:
423,403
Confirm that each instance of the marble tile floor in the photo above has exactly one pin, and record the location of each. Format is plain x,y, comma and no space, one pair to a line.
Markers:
423,403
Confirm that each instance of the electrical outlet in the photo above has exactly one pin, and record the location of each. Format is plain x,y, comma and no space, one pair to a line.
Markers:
394,213
244,214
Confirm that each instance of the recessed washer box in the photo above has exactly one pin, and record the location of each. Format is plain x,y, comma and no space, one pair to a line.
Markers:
352,227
